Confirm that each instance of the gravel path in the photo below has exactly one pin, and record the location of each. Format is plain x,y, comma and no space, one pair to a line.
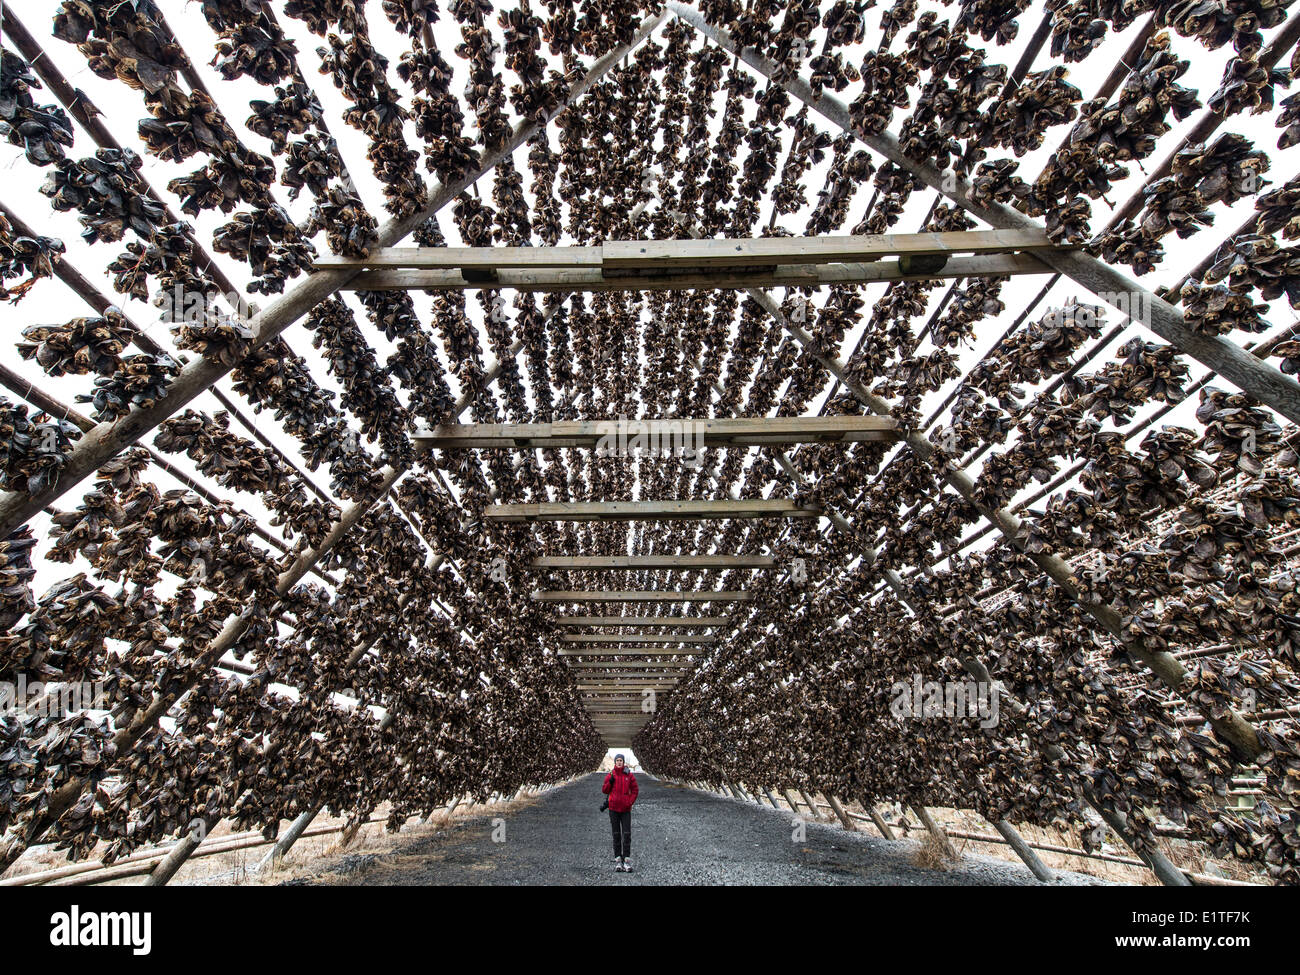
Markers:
679,836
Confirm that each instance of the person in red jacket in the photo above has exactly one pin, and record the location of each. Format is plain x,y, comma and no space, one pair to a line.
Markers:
620,785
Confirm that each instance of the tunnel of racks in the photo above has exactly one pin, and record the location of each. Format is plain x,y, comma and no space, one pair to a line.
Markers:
224,524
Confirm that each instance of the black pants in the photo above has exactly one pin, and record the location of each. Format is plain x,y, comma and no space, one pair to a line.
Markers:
621,824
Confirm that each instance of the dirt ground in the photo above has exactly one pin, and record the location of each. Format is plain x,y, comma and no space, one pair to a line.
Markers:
456,842
680,836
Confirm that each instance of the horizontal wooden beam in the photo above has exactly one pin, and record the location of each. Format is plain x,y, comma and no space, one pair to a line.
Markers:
830,249
631,668
657,685
613,256
638,638
619,668
641,620
624,653
641,596
628,692
625,437
595,280
658,688
473,258
640,562
648,510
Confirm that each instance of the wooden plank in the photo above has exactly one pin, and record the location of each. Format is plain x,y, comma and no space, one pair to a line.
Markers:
633,652
641,620
638,638
641,596
630,667
639,562
628,692
728,252
626,436
657,686
648,510
778,276
475,258
623,255
626,668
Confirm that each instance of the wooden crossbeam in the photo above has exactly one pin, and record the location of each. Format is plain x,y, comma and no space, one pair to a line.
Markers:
629,436
648,510
701,621
637,562
632,668
637,638
613,256
658,687
621,652
629,667
596,280
830,249
628,692
641,596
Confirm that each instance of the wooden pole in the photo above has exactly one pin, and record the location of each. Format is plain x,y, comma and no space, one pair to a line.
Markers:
287,840
841,814
107,440
812,806
879,821
1261,379
1031,859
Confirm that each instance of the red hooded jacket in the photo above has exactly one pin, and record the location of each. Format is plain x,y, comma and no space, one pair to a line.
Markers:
620,786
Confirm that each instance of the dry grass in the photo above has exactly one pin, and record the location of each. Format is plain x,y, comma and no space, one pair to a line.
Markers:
931,853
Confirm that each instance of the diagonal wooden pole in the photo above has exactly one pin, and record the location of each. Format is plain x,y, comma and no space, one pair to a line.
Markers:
103,443
1262,380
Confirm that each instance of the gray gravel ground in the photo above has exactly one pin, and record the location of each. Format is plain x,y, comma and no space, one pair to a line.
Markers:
679,836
